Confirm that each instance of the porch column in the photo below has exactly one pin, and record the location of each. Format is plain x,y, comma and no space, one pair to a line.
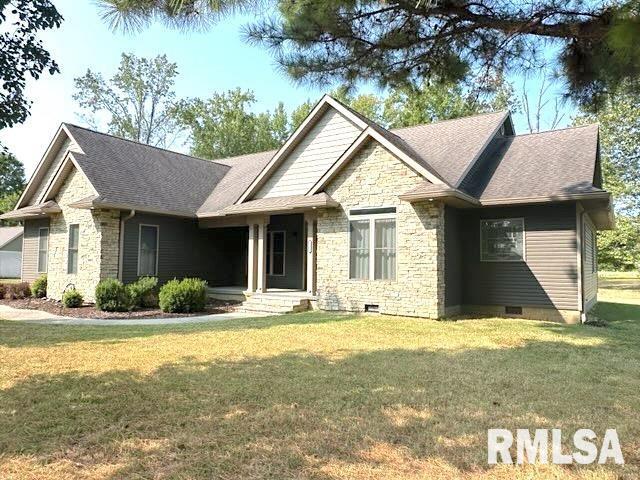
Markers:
311,253
251,258
262,257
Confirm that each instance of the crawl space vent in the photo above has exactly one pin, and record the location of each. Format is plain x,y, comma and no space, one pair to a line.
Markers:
513,310
369,307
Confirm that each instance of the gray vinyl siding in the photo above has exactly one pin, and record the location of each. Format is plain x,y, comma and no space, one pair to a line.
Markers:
453,258
30,248
184,250
548,277
590,268
312,157
293,225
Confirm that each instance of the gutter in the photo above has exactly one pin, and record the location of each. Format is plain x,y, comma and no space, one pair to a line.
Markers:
132,214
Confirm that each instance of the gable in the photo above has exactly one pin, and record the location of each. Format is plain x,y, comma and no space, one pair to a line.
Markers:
312,157
374,177
73,187
47,168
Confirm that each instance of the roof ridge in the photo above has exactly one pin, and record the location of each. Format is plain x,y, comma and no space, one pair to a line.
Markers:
137,142
573,127
449,120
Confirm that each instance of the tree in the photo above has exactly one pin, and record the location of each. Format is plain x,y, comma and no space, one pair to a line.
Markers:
406,41
406,106
619,120
11,175
223,126
139,99
22,54
12,181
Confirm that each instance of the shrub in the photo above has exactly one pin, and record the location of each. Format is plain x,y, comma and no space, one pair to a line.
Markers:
3,290
72,298
112,296
18,291
183,296
144,292
39,287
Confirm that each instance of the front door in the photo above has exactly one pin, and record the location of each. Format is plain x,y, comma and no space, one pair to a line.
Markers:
285,252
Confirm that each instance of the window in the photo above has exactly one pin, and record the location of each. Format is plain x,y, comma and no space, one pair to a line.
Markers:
502,240
74,239
43,249
148,250
385,249
372,248
275,253
359,249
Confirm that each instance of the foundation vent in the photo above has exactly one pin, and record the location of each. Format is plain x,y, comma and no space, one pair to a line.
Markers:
510,310
371,308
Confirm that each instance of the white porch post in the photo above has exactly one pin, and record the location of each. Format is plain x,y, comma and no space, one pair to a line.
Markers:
262,257
251,258
311,253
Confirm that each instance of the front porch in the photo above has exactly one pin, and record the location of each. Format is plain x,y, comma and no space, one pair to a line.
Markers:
277,255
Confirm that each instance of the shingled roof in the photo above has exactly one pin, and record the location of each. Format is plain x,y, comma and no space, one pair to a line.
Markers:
133,174
477,159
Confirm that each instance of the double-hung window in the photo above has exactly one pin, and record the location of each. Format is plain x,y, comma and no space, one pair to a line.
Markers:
43,249
502,240
72,251
148,251
372,244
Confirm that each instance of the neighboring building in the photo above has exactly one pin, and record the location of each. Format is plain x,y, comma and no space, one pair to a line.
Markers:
428,221
10,252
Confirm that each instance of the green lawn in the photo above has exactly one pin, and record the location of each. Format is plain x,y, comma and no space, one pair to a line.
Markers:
313,395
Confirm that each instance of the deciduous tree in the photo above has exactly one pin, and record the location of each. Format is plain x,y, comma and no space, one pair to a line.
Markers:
139,99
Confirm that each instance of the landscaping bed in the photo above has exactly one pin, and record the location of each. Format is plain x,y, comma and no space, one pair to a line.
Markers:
90,311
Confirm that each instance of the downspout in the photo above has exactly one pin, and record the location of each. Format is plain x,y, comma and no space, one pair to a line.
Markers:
580,241
132,214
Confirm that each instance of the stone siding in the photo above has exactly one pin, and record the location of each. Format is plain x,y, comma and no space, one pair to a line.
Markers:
375,178
98,243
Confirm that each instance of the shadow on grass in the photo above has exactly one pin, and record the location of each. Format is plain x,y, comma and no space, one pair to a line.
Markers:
293,416
22,334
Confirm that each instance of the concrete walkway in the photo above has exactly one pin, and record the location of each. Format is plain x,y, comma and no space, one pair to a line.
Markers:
40,317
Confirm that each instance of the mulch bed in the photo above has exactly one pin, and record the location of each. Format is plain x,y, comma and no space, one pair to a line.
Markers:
90,311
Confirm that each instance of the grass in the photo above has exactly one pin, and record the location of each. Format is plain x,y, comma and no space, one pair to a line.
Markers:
313,396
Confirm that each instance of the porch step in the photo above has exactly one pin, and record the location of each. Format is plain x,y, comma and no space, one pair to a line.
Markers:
289,302
226,293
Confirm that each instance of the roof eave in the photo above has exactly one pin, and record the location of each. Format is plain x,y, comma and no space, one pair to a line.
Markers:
449,196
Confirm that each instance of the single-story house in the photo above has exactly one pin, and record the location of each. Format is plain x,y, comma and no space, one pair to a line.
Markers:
427,221
10,251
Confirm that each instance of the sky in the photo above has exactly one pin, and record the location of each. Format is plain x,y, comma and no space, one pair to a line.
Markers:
212,61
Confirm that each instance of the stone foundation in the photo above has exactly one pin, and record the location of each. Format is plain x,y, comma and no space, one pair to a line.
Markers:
530,313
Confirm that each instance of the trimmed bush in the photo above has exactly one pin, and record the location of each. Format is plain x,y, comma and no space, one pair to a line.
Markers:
72,298
18,291
39,287
144,292
112,296
183,296
3,290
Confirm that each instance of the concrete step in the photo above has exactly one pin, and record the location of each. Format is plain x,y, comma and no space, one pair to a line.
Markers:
274,304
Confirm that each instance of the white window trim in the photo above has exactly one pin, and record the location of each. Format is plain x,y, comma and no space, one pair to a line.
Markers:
372,217
524,241
39,267
284,253
69,248
157,227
